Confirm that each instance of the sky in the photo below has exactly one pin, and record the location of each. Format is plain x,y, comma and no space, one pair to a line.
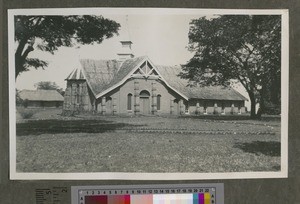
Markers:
163,38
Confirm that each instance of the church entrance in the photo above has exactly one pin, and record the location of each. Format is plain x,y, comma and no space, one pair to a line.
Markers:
145,102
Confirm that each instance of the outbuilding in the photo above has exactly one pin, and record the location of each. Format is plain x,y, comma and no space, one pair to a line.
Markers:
41,98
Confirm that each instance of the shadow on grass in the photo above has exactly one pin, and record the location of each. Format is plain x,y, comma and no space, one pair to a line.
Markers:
265,118
38,127
267,148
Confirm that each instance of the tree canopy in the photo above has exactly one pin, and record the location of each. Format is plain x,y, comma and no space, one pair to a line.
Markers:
48,33
48,85
240,48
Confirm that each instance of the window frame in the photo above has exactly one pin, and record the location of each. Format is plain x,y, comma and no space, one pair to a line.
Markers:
158,102
129,102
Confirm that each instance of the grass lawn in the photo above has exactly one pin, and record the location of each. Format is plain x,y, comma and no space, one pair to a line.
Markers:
145,144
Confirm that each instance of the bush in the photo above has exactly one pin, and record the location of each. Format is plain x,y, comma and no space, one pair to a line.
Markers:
26,114
19,101
25,103
273,110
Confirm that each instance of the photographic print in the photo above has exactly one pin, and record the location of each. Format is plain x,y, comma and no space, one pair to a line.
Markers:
123,93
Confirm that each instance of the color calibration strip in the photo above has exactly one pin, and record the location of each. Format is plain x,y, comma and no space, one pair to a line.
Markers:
197,198
149,194
162,196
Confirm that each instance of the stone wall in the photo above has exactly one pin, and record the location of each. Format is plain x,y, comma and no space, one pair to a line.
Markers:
134,87
77,97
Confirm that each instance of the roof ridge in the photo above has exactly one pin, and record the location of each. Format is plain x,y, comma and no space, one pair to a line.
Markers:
34,90
97,59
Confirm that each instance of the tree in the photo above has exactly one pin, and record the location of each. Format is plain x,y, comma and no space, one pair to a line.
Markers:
237,48
19,100
48,85
48,33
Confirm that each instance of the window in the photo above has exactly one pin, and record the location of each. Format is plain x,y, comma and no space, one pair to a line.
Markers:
78,94
186,107
144,94
129,102
158,101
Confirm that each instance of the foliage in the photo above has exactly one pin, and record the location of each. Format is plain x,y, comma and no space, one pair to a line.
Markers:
237,48
26,113
272,109
48,85
19,100
48,33
25,103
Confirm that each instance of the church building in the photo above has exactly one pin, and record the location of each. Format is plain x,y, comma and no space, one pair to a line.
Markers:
133,85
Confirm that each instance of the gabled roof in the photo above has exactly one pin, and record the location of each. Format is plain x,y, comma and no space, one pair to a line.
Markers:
41,95
215,93
98,73
125,69
170,74
105,75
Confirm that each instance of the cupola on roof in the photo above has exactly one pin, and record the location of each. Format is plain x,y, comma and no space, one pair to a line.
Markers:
125,51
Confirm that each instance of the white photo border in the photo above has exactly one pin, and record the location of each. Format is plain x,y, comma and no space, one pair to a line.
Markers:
150,176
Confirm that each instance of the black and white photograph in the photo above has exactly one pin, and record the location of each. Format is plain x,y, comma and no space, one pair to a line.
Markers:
148,93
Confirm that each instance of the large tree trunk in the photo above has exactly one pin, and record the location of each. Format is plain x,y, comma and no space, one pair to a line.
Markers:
19,66
261,104
20,59
253,104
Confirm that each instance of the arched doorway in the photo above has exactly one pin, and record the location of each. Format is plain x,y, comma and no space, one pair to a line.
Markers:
145,102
